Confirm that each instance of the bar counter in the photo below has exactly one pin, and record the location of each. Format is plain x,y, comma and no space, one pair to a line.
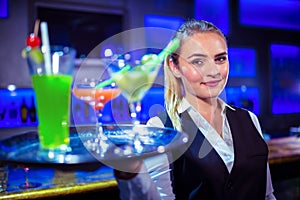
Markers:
284,150
284,157
284,160
61,184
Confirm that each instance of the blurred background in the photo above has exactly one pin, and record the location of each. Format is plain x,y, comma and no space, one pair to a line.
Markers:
263,38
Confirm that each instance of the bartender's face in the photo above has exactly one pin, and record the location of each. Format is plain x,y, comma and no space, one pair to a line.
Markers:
203,65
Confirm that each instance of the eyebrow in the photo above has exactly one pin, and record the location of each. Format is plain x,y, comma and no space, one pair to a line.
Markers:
221,54
205,56
197,55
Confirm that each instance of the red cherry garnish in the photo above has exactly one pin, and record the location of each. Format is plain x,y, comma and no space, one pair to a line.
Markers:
33,41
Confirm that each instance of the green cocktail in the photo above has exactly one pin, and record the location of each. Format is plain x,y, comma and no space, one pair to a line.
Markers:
134,84
53,93
52,85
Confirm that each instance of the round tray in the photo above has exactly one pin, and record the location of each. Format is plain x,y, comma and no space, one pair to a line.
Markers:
118,141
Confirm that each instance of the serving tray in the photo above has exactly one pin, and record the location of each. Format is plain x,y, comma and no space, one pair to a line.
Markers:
87,146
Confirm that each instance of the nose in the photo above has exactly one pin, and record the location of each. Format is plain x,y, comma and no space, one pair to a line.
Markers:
212,69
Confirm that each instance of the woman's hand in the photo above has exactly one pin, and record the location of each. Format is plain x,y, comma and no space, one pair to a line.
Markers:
130,168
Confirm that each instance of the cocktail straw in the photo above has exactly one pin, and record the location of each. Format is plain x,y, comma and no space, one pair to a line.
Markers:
110,80
152,63
36,27
171,47
46,47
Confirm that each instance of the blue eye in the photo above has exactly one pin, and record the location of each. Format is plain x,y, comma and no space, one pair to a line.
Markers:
197,62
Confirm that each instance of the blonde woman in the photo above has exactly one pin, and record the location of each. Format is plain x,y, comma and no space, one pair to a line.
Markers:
226,157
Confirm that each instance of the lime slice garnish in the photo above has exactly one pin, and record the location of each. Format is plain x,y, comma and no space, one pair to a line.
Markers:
36,55
147,57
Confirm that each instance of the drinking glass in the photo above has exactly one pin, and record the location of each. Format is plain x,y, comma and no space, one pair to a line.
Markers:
51,70
135,79
87,91
51,73
28,184
134,84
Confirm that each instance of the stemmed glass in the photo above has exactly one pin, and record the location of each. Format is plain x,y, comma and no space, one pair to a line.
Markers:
135,79
28,184
134,83
88,90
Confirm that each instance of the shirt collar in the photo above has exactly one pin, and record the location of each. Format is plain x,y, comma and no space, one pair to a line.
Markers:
185,105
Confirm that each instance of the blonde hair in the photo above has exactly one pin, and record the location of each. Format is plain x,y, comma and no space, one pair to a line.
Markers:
174,91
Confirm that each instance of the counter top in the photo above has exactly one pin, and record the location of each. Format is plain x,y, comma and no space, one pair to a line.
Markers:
284,150
56,183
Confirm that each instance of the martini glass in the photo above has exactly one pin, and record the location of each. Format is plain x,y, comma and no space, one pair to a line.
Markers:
87,91
134,84
135,79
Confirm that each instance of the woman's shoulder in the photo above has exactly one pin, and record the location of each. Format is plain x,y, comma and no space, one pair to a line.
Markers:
254,119
251,114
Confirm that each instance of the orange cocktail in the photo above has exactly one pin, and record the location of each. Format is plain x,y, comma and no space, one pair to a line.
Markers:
97,98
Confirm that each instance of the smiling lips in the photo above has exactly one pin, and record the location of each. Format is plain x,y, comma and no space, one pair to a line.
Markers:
211,83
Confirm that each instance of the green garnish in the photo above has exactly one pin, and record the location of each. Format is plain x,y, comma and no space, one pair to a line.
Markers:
110,80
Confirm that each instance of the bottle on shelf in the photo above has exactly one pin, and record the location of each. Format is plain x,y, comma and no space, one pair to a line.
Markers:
32,111
23,111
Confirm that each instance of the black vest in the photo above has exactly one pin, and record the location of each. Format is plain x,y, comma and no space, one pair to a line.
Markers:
200,173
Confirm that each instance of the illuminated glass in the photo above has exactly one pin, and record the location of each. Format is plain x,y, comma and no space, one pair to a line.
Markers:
243,97
285,70
215,11
270,13
168,22
3,8
242,62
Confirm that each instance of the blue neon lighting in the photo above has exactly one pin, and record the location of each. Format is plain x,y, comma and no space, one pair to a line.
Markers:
242,62
243,97
10,103
169,22
285,68
270,13
215,11
3,8
167,26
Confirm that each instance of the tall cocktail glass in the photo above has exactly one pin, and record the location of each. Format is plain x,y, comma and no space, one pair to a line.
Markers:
52,82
